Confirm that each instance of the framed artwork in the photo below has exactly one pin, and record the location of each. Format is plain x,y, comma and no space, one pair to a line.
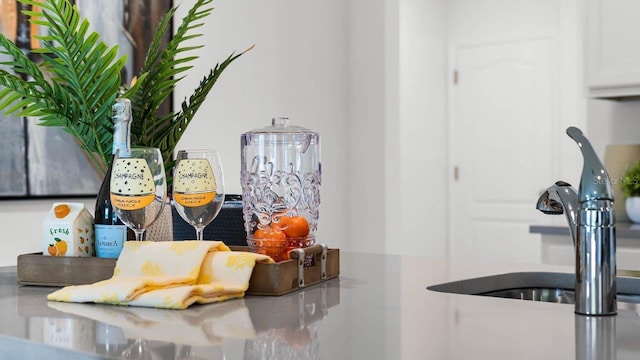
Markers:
45,162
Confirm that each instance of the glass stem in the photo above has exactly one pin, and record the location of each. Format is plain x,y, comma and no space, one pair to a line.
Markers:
199,232
139,234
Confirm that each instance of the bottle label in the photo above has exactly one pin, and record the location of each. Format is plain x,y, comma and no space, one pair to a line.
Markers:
110,240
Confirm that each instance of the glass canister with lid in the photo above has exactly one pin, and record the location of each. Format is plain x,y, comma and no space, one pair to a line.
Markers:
280,176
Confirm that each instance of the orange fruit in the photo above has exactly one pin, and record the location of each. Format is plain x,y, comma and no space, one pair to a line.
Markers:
274,253
61,210
52,250
269,233
61,247
294,226
274,243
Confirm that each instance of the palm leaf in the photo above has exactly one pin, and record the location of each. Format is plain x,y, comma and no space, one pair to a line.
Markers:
84,78
20,63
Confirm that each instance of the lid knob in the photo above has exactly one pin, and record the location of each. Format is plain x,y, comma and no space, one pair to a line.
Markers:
280,121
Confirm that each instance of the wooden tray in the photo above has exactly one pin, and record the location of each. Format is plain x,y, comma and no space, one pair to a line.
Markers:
267,279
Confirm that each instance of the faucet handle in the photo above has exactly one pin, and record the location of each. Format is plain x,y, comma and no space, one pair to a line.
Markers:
595,183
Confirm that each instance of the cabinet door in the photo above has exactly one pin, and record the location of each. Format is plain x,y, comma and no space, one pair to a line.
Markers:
612,48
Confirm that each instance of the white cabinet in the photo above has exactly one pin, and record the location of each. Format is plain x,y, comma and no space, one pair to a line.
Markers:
612,47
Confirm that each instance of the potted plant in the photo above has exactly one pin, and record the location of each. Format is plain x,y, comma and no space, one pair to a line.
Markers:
630,185
79,78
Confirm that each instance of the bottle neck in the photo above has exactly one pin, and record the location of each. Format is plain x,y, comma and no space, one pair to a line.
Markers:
121,127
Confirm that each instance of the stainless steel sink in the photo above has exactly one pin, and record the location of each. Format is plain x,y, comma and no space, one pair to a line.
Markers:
561,296
540,286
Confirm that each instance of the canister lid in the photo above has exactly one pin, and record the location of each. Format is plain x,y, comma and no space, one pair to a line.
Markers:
281,125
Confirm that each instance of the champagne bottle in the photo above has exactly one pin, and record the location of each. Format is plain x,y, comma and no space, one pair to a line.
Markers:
110,232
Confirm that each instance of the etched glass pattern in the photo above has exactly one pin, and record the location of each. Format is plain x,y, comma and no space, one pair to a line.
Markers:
270,194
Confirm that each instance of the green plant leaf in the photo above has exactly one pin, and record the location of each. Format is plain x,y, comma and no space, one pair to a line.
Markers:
78,80
630,181
84,78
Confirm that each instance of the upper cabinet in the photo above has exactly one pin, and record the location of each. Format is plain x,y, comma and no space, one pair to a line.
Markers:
612,48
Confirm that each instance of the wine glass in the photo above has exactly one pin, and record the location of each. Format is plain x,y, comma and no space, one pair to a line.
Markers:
138,188
198,187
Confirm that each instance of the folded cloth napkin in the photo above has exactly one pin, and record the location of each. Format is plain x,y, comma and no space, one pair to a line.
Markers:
198,325
170,275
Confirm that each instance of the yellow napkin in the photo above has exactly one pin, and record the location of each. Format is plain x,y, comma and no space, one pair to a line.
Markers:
198,325
171,275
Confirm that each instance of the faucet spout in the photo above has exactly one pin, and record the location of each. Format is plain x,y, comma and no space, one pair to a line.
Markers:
560,198
592,224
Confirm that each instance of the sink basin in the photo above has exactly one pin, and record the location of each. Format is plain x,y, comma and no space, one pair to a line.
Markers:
540,286
561,296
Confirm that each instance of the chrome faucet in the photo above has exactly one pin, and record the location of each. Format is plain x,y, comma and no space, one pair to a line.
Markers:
592,225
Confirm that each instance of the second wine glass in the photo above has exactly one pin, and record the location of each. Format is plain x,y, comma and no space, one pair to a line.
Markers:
198,187
138,188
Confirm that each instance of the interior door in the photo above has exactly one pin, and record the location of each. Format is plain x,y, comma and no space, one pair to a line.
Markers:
502,115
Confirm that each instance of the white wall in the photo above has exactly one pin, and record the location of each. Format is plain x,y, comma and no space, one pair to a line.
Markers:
397,170
367,168
422,189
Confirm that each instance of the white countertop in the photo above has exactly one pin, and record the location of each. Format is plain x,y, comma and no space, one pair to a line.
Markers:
379,308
